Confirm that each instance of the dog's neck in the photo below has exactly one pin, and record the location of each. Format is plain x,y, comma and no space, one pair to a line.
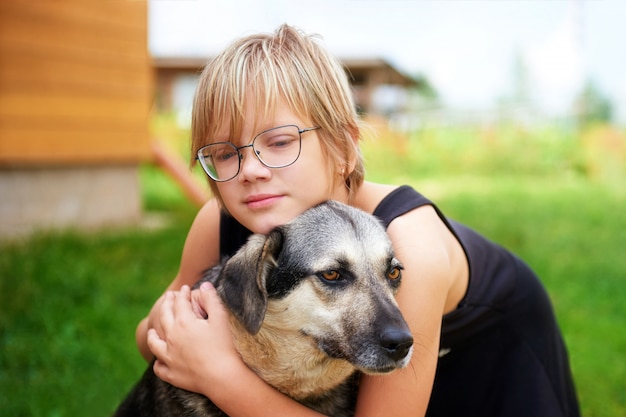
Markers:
288,360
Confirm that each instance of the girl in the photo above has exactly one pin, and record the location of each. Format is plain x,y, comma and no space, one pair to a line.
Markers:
275,128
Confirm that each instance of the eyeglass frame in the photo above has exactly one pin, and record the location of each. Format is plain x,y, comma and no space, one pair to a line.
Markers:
201,158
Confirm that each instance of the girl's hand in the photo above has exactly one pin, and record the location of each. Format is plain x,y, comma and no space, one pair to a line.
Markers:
193,352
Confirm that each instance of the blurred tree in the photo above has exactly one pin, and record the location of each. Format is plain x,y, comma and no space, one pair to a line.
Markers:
425,88
516,104
521,83
422,105
592,105
423,95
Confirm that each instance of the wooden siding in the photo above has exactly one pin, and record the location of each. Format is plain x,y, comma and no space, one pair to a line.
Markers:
75,82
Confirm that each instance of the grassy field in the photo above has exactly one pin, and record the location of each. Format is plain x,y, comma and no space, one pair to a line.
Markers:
69,302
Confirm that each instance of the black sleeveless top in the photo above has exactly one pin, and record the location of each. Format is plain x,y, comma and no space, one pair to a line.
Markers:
501,351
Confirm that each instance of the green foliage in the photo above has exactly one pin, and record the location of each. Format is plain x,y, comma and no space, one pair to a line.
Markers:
597,153
592,105
70,302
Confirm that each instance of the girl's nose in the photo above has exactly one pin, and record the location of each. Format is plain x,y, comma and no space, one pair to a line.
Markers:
251,167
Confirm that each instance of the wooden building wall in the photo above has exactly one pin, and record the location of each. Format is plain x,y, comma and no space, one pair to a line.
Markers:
75,82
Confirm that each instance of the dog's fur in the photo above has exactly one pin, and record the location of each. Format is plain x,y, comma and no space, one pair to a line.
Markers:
305,330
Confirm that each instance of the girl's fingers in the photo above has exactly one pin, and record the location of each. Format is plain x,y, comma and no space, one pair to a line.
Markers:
182,308
166,315
161,370
196,304
209,300
185,292
157,346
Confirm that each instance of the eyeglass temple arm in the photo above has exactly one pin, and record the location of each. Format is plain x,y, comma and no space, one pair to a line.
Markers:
308,129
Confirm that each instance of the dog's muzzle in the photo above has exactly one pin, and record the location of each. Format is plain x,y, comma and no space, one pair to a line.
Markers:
397,343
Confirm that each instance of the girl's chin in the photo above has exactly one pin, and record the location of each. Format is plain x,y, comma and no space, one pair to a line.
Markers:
265,225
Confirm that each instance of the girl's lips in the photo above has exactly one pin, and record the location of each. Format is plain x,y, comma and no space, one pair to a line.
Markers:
261,200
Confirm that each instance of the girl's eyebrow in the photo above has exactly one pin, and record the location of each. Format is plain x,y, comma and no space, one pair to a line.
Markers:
259,128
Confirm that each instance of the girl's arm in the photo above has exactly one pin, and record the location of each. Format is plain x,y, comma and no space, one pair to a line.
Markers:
200,252
433,261
199,355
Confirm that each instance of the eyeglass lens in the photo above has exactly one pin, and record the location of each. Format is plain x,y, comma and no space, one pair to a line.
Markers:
275,148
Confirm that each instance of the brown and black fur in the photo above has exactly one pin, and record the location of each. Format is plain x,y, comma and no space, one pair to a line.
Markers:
312,307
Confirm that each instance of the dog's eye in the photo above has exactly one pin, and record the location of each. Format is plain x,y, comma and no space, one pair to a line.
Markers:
394,273
331,275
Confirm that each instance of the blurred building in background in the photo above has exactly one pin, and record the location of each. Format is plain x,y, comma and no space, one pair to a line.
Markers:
379,87
75,96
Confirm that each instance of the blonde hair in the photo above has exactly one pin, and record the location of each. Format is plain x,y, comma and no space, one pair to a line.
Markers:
287,65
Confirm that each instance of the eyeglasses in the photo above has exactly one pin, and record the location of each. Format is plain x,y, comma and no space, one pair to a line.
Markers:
278,147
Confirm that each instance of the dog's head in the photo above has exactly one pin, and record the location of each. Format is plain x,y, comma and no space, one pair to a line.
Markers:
329,275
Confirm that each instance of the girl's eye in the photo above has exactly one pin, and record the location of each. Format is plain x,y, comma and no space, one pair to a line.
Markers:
224,156
280,141
394,273
331,275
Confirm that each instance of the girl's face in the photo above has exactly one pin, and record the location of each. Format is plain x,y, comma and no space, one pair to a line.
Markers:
261,198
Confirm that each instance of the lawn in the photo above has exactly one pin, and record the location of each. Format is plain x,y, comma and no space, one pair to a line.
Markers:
70,301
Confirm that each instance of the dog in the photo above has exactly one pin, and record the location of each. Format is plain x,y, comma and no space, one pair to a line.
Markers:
312,307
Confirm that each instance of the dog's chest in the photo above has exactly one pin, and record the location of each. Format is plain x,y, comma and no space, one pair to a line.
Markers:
290,361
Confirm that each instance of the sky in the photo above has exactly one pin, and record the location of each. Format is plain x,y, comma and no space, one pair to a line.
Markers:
466,48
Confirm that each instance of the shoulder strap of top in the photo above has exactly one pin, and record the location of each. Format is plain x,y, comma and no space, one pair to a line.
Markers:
398,202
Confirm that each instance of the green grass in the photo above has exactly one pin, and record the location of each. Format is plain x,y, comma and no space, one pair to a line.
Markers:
573,235
69,302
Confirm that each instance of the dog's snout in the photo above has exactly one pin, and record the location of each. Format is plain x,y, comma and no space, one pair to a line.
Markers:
397,343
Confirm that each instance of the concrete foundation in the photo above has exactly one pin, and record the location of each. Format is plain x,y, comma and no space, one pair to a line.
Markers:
83,198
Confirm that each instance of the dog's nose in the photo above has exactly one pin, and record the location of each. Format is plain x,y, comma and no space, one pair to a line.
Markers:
396,342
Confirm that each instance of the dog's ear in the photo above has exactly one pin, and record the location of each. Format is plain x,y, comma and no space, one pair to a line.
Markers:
242,280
